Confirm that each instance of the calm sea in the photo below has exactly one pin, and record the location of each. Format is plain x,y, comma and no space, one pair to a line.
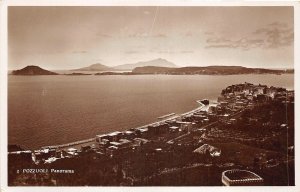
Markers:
49,110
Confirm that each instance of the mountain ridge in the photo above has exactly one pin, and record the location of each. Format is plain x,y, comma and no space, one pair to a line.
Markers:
94,67
159,62
208,70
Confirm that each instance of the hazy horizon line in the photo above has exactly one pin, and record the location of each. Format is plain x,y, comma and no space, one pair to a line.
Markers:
253,67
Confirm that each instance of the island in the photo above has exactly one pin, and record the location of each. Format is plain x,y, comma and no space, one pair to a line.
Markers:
75,74
33,70
117,73
208,70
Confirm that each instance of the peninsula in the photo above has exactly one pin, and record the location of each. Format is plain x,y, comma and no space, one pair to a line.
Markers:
208,70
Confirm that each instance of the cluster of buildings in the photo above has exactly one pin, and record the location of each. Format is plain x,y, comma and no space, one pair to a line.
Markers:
246,93
117,142
208,149
121,142
233,100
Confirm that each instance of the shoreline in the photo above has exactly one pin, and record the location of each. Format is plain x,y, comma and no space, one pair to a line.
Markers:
157,122
80,142
89,140
197,136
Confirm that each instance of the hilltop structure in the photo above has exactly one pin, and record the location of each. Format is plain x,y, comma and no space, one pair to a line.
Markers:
236,177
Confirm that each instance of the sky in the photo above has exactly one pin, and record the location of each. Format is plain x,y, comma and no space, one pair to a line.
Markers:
60,38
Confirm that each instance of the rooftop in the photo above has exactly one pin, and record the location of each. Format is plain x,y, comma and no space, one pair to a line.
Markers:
239,175
114,133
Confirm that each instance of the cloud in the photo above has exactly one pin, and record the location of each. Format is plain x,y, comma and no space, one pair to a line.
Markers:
272,36
209,33
103,35
79,52
217,40
278,24
138,35
98,60
186,51
159,35
163,51
188,34
145,35
242,43
171,51
131,52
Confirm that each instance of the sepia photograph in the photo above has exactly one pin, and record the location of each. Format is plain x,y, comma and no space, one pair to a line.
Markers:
150,96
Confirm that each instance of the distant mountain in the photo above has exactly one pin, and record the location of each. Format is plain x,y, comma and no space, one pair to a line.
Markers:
95,67
153,70
209,70
33,70
156,62
77,74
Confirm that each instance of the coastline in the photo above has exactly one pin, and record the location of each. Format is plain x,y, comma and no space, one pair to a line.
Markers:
85,141
89,137
208,131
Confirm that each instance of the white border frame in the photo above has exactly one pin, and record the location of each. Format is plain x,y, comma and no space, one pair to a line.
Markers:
3,85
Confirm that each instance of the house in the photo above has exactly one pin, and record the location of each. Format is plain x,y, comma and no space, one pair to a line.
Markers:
103,145
85,148
72,151
262,98
157,129
100,137
224,103
124,143
114,136
117,147
174,129
42,154
233,121
283,126
184,125
163,128
112,151
212,109
206,120
140,141
259,90
271,91
51,159
206,148
143,132
239,103
249,96
128,134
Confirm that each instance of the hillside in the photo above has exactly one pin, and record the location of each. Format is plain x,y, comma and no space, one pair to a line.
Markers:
95,67
209,70
156,62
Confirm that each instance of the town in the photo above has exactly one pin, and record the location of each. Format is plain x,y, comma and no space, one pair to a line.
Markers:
247,132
